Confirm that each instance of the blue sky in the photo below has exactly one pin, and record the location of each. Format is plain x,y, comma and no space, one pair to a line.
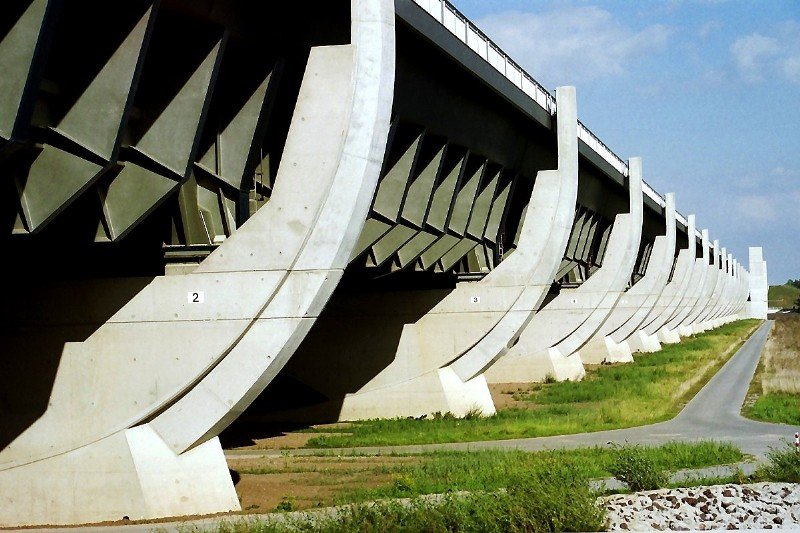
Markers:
707,92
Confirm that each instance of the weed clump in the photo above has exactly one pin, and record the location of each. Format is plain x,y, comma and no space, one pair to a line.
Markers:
783,465
638,470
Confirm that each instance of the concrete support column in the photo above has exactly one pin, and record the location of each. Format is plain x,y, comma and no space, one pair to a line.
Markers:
647,339
131,423
758,285
653,284
716,274
707,281
441,357
718,317
549,345
669,332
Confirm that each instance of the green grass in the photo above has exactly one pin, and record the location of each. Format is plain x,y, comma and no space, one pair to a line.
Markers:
783,296
652,389
489,470
560,500
490,490
776,407
783,465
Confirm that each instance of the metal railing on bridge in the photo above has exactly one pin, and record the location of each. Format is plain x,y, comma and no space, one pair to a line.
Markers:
460,26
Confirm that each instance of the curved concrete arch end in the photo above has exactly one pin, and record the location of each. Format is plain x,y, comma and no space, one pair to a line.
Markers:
610,343
549,345
441,357
132,423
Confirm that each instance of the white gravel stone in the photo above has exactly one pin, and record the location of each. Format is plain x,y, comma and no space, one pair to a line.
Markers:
754,506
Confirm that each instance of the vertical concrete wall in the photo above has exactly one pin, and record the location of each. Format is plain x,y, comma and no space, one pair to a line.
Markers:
758,284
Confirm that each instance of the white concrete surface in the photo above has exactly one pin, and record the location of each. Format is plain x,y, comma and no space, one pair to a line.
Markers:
136,407
633,307
474,324
550,343
702,323
707,282
758,284
670,332
646,339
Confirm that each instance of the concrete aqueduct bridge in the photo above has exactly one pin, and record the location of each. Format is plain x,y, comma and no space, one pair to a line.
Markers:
363,207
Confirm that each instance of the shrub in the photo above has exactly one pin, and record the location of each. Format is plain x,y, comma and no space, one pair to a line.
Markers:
285,505
636,469
783,465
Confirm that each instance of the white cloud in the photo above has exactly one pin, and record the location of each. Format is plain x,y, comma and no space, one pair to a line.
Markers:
757,207
709,27
758,57
751,54
569,43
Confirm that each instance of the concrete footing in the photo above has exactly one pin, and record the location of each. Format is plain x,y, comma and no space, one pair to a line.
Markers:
131,474
642,342
438,391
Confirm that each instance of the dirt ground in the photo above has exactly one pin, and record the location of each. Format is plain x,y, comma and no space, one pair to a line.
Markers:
289,483
782,355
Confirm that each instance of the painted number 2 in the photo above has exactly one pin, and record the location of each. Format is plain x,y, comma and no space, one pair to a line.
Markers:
196,297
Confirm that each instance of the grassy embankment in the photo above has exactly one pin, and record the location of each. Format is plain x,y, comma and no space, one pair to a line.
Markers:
652,389
497,491
776,385
504,489
783,296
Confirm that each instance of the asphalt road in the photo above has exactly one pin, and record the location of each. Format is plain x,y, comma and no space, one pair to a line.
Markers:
714,413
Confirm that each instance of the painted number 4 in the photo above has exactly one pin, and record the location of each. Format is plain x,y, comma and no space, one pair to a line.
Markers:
196,297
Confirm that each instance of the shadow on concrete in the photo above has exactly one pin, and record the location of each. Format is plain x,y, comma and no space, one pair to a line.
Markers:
355,338
38,321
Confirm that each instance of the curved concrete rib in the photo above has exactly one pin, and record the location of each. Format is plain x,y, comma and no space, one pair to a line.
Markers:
702,323
609,343
744,308
736,293
718,317
705,289
716,313
474,324
135,409
724,313
669,333
550,343
646,338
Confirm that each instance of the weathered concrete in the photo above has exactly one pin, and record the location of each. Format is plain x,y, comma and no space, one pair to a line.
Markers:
135,409
758,284
549,344
704,294
610,342
669,333
647,338
702,322
253,186
475,324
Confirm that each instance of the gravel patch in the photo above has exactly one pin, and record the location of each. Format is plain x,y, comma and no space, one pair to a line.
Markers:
754,506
